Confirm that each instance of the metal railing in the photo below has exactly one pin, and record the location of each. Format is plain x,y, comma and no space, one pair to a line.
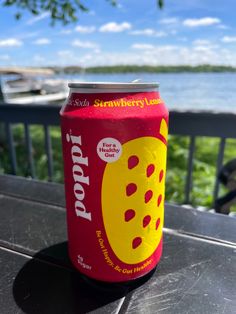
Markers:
44,115
209,124
191,124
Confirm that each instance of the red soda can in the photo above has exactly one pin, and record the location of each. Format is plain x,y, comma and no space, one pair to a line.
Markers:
114,141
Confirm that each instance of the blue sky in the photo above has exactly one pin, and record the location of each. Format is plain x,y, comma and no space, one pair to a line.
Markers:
135,32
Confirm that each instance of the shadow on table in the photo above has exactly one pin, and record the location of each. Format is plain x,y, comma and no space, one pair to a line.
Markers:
47,284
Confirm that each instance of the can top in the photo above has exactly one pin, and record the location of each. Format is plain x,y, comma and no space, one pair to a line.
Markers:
114,85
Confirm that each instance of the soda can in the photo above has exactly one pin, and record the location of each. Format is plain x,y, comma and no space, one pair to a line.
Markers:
114,141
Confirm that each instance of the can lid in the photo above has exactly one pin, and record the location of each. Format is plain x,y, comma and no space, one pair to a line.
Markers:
114,85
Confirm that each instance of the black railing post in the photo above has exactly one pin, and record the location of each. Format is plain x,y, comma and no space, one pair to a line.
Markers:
29,150
11,146
48,147
189,178
219,164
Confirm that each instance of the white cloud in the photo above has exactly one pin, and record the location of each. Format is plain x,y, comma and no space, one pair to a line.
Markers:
173,32
66,31
42,41
203,49
148,32
5,57
85,29
205,46
160,34
229,39
149,55
27,35
205,21
91,12
161,55
222,26
183,39
148,47
167,48
200,42
84,44
65,54
38,59
142,46
114,27
11,42
68,57
169,21
38,18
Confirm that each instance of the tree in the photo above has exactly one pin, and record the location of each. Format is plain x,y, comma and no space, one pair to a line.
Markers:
65,11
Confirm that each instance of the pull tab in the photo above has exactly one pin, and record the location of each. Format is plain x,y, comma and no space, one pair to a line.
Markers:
136,81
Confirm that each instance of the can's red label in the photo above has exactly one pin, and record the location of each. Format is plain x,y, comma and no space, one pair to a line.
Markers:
114,148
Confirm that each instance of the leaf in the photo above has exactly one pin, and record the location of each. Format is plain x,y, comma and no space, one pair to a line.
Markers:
64,11
160,3
9,2
113,2
35,12
81,6
18,16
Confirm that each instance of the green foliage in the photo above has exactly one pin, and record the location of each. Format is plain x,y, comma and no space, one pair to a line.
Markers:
160,3
65,11
204,172
147,69
39,154
177,166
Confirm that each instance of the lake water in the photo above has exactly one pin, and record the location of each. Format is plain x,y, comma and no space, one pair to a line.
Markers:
194,91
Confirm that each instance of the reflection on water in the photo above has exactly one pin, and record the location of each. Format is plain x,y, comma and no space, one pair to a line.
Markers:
196,91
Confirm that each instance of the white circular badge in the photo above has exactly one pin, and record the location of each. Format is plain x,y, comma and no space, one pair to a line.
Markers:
109,149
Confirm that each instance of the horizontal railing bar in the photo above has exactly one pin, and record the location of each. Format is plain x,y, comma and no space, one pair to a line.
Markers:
201,123
30,114
184,123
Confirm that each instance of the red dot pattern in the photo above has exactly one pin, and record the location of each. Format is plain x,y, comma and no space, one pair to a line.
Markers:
157,223
146,221
161,174
150,170
131,188
148,196
133,162
136,242
129,214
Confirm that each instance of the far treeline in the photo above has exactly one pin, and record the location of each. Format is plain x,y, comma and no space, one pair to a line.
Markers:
145,69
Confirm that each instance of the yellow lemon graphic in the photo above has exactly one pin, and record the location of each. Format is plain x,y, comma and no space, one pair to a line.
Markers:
133,190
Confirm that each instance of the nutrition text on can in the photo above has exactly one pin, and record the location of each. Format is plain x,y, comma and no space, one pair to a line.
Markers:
114,139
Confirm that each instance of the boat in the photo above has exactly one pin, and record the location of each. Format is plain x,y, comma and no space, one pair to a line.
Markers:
27,86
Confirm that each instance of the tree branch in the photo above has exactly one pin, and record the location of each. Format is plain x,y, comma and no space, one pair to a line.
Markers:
64,11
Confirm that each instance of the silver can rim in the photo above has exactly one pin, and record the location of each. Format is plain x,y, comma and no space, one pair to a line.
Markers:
114,85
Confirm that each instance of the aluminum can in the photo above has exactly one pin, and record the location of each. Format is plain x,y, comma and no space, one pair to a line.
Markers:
114,141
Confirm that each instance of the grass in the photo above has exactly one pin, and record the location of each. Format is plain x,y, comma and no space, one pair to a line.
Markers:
204,170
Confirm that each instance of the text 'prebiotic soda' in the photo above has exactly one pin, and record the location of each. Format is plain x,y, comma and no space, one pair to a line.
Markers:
114,138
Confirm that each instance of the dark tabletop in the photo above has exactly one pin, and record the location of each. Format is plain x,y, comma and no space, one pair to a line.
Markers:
197,272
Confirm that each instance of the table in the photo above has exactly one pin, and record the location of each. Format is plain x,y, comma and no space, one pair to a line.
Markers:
197,273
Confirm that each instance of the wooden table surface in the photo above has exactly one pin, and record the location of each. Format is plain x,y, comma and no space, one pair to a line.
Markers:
197,272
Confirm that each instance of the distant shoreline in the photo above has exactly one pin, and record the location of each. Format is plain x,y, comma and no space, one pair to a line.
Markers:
122,69
205,68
